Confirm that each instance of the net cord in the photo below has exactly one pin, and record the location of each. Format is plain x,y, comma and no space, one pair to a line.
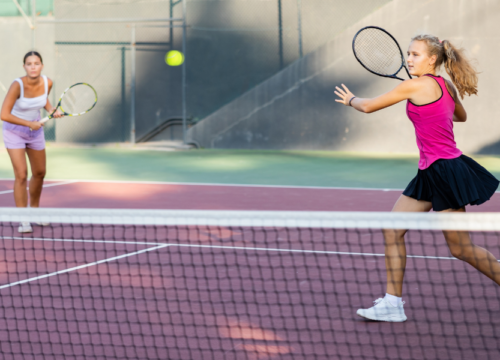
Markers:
292,219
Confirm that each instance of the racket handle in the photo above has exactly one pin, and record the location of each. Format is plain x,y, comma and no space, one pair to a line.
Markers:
45,119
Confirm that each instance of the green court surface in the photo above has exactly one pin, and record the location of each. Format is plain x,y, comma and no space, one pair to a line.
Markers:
293,168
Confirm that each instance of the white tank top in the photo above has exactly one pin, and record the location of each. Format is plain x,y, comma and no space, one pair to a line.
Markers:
29,108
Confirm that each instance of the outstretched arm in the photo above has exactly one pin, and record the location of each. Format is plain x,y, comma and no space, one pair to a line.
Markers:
403,91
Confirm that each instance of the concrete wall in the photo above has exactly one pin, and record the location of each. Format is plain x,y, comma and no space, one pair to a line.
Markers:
234,45
295,109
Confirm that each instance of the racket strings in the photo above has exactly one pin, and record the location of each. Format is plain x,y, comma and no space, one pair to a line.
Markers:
378,52
78,99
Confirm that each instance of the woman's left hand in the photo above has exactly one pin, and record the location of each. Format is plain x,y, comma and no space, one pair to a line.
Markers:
57,114
344,94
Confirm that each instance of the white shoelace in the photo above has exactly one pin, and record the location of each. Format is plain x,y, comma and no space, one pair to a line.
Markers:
378,301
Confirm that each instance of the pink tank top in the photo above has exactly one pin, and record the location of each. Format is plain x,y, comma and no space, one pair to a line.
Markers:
434,127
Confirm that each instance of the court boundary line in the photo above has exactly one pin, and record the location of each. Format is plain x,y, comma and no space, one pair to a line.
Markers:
165,245
44,186
80,240
224,247
75,268
220,184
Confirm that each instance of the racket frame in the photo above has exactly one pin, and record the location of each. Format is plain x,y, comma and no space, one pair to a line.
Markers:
47,118
403,61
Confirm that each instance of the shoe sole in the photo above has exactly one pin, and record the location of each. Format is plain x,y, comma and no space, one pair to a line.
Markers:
385,318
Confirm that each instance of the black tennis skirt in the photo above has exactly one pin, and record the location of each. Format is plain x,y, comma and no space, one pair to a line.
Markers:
452,184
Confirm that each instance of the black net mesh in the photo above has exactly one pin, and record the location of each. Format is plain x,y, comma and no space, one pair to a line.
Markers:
108,286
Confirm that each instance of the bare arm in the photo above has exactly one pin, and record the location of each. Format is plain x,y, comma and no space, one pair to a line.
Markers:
460,115
48,106
403,91
8,103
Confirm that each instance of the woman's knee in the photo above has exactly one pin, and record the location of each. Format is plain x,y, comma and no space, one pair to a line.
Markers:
21,177
39,174
462,252
459,243
457,252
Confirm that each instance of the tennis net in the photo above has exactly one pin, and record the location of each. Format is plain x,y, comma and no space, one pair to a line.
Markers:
182,284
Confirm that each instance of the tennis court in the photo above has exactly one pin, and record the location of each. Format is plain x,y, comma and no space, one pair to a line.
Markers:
121,287
221,174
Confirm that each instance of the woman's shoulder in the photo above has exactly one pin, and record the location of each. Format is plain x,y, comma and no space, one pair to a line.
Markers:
14,89
416,84
426,82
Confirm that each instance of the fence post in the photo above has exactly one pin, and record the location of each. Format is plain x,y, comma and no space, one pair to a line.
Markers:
132,86
184,110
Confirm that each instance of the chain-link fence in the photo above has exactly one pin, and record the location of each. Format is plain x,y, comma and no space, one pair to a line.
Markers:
231,46
118,47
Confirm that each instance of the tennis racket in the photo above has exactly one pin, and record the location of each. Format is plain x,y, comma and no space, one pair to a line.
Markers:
76,100
379,52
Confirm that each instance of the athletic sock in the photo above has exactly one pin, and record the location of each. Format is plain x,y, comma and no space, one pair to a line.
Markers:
394,300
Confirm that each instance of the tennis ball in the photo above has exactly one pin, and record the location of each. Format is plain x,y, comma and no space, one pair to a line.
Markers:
174,58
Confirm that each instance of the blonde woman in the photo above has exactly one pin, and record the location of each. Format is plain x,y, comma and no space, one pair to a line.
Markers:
446,180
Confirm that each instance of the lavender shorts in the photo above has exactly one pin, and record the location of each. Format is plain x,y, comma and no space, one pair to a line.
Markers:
21,140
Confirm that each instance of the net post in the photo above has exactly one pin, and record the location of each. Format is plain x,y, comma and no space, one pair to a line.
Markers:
132,85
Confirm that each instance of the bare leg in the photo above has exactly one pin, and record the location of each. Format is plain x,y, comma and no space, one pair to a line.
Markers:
37,162
464,249
395,249
18,159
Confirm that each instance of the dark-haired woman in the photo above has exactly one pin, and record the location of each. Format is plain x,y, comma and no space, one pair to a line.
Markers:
23,133
447,180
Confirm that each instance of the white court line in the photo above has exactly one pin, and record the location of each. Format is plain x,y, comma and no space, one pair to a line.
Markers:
81,240
209,247
219,184
45,186
226,247
80,267
231,185
308,251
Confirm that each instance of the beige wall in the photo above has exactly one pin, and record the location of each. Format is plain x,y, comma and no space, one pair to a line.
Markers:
295,109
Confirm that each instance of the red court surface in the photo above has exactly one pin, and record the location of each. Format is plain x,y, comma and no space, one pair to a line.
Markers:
215,197
233,293
228,293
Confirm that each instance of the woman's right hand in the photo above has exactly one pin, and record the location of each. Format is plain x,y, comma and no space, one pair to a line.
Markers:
35,125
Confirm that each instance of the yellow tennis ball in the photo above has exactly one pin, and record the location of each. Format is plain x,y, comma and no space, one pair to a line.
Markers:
174,58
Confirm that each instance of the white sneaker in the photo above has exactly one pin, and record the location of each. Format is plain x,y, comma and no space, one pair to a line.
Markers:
383,310
25,227
43,223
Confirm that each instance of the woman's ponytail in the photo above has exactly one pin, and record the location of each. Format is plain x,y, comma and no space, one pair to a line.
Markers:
460,70
456,64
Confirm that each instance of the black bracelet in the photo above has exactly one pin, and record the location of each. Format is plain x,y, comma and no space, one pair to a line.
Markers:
351,100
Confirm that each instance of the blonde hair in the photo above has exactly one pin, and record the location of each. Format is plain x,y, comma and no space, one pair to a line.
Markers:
456,64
